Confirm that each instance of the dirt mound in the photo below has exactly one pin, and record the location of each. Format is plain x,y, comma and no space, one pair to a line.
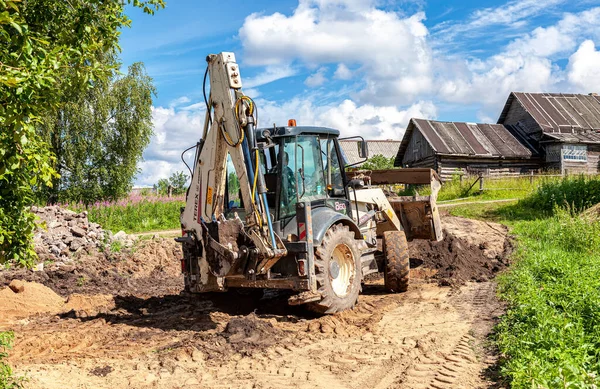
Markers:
150,268
30,298
153,256
250,332
470,251
85,305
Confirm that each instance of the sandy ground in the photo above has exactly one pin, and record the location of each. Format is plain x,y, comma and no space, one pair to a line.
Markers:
429,337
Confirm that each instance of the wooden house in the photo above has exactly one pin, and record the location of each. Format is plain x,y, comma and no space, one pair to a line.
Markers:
453,148
564,129
535,132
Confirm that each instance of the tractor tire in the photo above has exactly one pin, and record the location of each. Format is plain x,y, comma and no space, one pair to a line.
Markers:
338,272
397,262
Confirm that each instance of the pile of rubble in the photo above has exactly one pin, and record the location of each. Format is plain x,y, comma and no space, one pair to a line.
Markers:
62,232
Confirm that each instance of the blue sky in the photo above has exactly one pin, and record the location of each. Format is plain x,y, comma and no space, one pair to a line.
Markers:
362,66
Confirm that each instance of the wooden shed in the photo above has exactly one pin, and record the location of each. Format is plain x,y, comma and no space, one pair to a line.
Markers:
466,148
563,128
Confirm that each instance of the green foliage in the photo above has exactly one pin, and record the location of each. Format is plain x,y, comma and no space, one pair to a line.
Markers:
98,137
40,43
177,182
7,378
378,162
494,189
162,187
550,332
549,336
577,193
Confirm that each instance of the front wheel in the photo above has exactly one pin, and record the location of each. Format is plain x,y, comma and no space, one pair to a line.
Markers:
397,261
338,273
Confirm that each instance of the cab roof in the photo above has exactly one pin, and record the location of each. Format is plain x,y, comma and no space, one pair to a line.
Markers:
276,132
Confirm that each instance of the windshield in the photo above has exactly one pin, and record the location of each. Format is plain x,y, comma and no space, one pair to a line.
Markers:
302,177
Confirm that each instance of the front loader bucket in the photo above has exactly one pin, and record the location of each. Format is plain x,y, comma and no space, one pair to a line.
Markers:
419,215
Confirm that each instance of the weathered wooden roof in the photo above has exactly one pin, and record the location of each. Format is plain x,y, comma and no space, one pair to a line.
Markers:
465,139
586,137
387,148
558,112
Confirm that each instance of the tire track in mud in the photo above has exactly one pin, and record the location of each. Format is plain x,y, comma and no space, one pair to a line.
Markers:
424,338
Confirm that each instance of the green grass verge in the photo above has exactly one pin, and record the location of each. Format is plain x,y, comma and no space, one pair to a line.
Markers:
141,214
494,189
7,377
549,336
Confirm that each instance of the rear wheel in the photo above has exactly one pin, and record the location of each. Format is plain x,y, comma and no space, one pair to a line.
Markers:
397,261
337,268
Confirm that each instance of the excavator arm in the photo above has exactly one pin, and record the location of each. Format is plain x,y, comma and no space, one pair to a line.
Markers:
228,130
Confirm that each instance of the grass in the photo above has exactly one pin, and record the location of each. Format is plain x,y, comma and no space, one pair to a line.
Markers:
494,189
549,336
7,377
135,214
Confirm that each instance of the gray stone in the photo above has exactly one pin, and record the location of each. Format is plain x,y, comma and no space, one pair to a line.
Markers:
120,236
76,244
78,231
92,235
54,250
54,224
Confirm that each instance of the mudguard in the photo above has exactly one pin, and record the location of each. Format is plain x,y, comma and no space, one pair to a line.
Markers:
323,218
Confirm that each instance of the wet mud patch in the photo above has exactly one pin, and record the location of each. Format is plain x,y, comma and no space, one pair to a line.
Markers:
470,251
249,333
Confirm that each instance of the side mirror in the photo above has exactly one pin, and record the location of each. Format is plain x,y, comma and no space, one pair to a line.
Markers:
363,149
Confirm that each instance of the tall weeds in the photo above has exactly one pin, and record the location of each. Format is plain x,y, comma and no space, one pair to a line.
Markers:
550,334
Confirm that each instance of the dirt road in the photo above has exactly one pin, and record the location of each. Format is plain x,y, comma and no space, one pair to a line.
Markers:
428,337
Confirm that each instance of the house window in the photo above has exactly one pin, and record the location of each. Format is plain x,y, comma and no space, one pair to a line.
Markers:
553,153
577,153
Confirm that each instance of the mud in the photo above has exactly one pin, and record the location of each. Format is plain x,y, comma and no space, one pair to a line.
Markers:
137,330
470,251
152,268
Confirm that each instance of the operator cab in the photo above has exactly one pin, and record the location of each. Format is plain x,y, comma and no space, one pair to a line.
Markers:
299,164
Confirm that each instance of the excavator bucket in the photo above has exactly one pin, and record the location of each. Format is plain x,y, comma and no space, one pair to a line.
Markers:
419,215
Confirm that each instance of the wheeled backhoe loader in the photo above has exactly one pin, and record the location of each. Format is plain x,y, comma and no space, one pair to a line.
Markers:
274,208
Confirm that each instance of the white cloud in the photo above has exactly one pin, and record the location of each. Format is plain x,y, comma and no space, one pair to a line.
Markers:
384,44
271,73
316,79
174,131
584,68
372,122
513,14
342,72
528,63
395,74
179,101
252,92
